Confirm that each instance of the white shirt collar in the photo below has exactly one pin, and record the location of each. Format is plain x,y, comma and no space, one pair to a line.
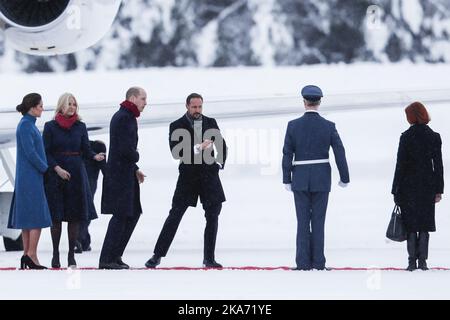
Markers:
312,111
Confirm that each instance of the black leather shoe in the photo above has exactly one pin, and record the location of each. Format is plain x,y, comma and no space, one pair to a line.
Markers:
322,269
88,248
211,264
78,247
23,264
423,265
121,263
301,269
29,264
110,266
153,262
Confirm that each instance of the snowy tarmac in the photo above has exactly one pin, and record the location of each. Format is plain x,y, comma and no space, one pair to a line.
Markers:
257,224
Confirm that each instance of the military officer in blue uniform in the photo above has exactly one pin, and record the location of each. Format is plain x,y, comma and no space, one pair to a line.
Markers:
307,173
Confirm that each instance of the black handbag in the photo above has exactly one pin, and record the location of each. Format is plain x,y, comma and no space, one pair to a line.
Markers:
396,230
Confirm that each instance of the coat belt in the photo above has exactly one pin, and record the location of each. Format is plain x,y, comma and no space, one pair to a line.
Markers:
69,153
302,163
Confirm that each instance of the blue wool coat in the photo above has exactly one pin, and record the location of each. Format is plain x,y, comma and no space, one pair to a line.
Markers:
29,208
71,200
310,138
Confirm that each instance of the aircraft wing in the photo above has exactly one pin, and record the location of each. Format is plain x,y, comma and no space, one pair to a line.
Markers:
98,116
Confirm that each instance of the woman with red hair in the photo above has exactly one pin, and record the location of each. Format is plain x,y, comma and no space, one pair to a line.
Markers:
418,182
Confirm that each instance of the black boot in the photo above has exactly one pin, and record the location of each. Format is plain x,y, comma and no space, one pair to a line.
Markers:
121,263
423,264
412,251
424,238
153,261
412,265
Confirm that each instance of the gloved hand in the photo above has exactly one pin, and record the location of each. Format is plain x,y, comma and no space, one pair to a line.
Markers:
288,187
342,184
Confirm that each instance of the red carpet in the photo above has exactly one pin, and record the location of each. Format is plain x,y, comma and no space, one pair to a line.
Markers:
248,268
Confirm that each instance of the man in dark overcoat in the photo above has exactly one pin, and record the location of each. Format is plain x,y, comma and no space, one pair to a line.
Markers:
121,196
192,139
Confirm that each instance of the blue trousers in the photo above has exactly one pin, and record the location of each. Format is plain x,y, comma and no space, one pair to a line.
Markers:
311,210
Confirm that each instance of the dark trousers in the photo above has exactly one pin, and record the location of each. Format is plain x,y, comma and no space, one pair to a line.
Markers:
117,236
311,209
84,237
417,245
173,221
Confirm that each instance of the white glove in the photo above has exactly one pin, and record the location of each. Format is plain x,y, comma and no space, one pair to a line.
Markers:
342,184
198,147
288,187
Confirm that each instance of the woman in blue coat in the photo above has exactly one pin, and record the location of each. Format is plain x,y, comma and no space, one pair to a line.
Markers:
67,185
29,209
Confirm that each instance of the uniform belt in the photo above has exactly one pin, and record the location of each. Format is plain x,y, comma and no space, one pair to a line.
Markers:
302,163
69,153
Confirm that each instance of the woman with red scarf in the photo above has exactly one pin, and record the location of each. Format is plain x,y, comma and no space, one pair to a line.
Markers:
67,186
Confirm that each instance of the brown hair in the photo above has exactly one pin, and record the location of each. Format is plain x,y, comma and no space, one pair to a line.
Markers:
416,113
31,100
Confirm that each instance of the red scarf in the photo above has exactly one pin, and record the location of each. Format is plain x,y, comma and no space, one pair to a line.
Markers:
66,123
130,106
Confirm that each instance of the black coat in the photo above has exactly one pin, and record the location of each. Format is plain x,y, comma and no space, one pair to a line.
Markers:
94,167
418,177
201,179
68,200
121,195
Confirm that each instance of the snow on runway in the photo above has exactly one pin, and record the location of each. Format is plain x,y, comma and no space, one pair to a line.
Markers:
258,224
229,284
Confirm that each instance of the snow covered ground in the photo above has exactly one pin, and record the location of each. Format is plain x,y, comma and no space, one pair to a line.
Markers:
257,224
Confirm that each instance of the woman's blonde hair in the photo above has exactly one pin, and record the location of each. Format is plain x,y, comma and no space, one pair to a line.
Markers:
63,102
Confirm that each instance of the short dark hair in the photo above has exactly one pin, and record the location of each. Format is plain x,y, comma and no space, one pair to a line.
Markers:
311,103
133,91
193,96
31,100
